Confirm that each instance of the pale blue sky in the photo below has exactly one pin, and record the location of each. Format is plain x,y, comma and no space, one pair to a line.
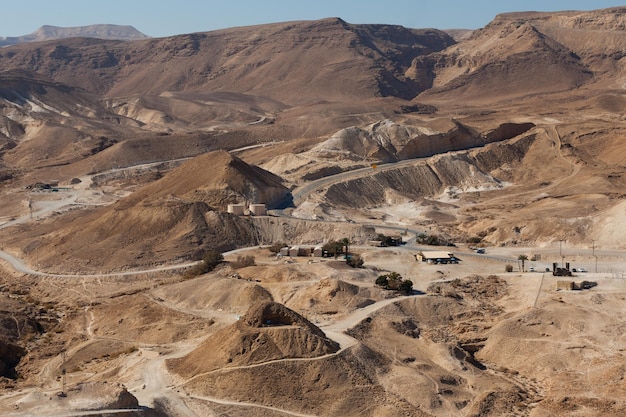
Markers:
165,18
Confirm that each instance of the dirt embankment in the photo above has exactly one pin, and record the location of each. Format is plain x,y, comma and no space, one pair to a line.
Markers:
296,231
466,171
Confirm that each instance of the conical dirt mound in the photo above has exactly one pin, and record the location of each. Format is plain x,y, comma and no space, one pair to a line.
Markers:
269,331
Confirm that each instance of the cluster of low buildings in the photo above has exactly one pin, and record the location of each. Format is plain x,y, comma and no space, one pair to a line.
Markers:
294,251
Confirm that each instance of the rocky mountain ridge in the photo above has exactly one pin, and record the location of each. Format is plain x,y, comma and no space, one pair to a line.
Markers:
247,60
326,95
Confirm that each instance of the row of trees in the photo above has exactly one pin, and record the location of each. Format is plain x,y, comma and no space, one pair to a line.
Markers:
386,240
211,259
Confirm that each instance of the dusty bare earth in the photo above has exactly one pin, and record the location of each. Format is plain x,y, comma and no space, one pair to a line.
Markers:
471,340
118,161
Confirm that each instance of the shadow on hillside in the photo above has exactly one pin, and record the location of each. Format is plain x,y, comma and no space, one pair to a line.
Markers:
285,203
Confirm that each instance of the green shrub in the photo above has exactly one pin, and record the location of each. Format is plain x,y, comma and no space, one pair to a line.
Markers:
355,260
276,247
381,281
394,281
406,286
210,260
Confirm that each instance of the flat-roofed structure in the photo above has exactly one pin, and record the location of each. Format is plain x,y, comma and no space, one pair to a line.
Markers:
437,257
237,209
258,209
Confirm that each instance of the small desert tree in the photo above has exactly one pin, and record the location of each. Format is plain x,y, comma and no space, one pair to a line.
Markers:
394,281
390,281
355,260
346,243
333,248
406,286
382,281
276,247
210,260
522,259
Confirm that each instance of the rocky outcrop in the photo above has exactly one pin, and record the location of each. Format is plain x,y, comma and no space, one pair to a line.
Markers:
20,322
100,396
10,356
413,182
389,141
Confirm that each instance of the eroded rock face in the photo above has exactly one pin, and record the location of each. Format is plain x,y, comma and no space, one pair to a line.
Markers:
389,141
101,396
86,399
10,356
19,322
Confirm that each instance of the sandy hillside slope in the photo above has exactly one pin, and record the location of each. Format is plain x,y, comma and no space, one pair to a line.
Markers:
178,217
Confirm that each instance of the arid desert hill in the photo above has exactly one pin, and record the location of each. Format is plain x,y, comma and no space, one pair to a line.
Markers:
314,78
529,54
179,216
297,62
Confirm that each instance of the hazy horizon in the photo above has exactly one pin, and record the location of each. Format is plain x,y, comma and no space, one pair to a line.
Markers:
172,18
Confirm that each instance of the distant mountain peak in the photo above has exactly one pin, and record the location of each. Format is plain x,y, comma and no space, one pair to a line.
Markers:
102,31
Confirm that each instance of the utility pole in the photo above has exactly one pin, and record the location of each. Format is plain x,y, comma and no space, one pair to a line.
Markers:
63,372
593,250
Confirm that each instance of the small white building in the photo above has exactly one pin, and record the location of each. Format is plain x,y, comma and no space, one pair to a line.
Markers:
237,209
258,209
294,251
